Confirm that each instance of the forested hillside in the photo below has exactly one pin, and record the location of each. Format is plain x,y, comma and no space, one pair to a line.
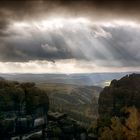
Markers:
80,102
119,110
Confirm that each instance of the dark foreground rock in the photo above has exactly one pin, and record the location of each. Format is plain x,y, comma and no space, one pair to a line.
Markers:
121,93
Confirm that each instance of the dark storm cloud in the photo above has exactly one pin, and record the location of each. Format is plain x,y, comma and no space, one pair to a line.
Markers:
3,27
121,49
15,10
35,48
29,9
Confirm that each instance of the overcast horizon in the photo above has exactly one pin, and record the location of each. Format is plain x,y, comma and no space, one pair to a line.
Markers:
62,36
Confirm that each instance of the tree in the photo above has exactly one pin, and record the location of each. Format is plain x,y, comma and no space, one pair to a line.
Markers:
132,125
129,130
114,132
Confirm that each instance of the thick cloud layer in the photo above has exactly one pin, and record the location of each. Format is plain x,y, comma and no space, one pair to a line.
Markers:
118,44
11,10
102,33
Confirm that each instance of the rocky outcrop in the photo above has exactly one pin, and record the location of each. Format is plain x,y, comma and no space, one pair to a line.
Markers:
20,106
121,93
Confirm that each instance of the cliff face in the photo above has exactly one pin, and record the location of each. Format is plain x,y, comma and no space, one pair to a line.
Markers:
21,98
121,93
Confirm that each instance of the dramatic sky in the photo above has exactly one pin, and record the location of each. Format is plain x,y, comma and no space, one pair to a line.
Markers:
69,36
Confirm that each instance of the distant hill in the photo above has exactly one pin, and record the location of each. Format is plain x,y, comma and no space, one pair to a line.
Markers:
121,93
98,79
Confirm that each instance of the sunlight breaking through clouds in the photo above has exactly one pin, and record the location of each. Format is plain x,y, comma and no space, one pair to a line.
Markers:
94,46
